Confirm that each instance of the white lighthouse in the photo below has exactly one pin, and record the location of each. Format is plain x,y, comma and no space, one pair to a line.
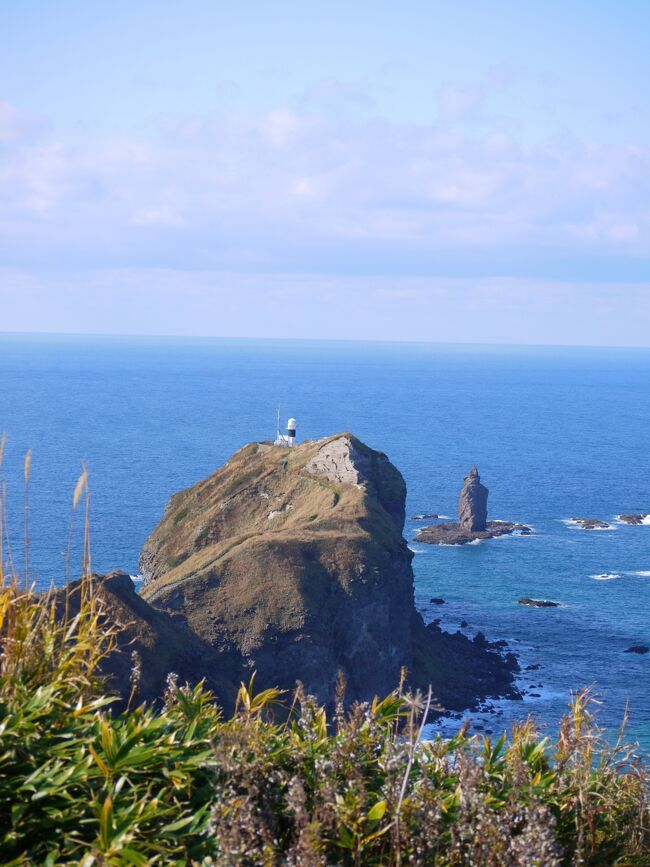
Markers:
288,438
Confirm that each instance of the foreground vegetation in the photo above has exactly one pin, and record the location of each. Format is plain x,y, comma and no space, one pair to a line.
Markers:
179,784
82,782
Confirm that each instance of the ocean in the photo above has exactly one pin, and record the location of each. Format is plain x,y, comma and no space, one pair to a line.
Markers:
555,433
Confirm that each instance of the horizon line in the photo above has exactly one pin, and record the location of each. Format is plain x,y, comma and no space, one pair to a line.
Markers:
352,340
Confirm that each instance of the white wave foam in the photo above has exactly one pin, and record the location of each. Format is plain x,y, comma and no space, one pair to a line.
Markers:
136,578
641,573
606,576
475,542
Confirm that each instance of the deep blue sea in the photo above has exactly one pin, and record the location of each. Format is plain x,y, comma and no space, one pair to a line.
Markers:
555,432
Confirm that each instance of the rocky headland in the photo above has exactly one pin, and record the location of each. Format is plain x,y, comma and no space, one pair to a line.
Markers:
473,525
291,563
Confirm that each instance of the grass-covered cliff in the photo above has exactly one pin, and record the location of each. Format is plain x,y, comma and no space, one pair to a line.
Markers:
292,563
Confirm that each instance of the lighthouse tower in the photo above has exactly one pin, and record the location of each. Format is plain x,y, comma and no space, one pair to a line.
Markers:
288,438
291,432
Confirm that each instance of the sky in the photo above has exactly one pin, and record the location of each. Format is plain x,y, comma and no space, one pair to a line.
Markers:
441,171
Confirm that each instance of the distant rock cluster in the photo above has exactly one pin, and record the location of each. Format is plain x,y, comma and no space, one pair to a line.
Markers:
590,523
599,524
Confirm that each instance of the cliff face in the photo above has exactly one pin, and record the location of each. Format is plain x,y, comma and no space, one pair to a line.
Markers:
293,559
292,563
162,641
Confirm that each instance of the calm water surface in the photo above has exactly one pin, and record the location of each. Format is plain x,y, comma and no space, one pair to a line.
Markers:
554,432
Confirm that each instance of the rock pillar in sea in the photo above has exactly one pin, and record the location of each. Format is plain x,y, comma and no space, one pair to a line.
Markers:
472,505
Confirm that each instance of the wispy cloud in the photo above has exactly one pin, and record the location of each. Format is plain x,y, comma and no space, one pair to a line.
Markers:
323,194
289,186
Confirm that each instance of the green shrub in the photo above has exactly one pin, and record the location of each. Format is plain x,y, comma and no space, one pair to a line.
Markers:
181,785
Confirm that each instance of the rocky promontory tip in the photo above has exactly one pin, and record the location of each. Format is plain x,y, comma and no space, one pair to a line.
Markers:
472,525
291,562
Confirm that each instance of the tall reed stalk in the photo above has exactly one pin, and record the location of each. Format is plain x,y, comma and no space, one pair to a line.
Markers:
27,470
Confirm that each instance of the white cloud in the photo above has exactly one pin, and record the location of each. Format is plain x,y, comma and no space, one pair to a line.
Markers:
17,125
281,126
291,190
162,216
459,101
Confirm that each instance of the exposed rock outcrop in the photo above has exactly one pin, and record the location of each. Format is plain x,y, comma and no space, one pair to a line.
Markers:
162,641
454,534
590,523
472,505
635,520
292,563
472,525
538,603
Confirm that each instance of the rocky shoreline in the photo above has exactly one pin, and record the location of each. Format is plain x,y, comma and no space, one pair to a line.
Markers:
454,534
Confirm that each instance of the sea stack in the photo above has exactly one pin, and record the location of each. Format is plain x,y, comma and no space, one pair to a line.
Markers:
473,525
472,505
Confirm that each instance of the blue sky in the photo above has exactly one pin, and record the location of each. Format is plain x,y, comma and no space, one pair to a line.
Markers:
467,171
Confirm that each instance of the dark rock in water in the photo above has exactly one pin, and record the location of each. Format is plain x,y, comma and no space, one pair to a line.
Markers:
464,624
454,534
424,517
472,505
637,648
634,519
292,563
590,523
437,600
538,603
534,667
